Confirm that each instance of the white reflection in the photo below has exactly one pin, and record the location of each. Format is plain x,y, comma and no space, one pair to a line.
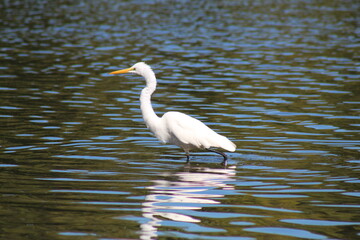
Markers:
183,193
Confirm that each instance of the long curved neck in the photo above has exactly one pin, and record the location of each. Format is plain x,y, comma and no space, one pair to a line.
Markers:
149,116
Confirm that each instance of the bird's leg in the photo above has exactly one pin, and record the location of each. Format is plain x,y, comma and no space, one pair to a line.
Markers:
218,152
221,153
224,163
187,157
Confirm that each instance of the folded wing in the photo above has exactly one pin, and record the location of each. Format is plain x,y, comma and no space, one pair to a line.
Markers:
184,130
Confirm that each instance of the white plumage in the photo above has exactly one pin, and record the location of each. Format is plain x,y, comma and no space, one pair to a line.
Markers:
175,127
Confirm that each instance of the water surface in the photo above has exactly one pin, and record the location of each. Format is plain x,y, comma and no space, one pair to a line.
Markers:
280,79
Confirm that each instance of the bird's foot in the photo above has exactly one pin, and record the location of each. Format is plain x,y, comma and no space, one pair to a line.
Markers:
224,163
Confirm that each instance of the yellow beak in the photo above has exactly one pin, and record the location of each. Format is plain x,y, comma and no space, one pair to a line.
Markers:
122,71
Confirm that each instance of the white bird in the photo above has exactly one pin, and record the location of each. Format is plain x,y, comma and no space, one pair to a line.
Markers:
175,127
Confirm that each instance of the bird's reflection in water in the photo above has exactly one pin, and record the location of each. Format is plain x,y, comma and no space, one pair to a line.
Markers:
178,198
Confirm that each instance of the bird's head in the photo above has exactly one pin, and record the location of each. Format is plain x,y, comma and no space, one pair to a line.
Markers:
140,68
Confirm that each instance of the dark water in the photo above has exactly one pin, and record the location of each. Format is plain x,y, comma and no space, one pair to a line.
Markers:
279,78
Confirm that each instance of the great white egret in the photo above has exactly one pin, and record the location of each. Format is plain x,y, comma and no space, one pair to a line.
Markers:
175,127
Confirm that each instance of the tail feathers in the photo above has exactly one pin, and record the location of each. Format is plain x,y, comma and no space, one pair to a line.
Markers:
228,145
222,142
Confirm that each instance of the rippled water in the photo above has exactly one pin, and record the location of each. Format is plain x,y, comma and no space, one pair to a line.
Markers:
279,78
